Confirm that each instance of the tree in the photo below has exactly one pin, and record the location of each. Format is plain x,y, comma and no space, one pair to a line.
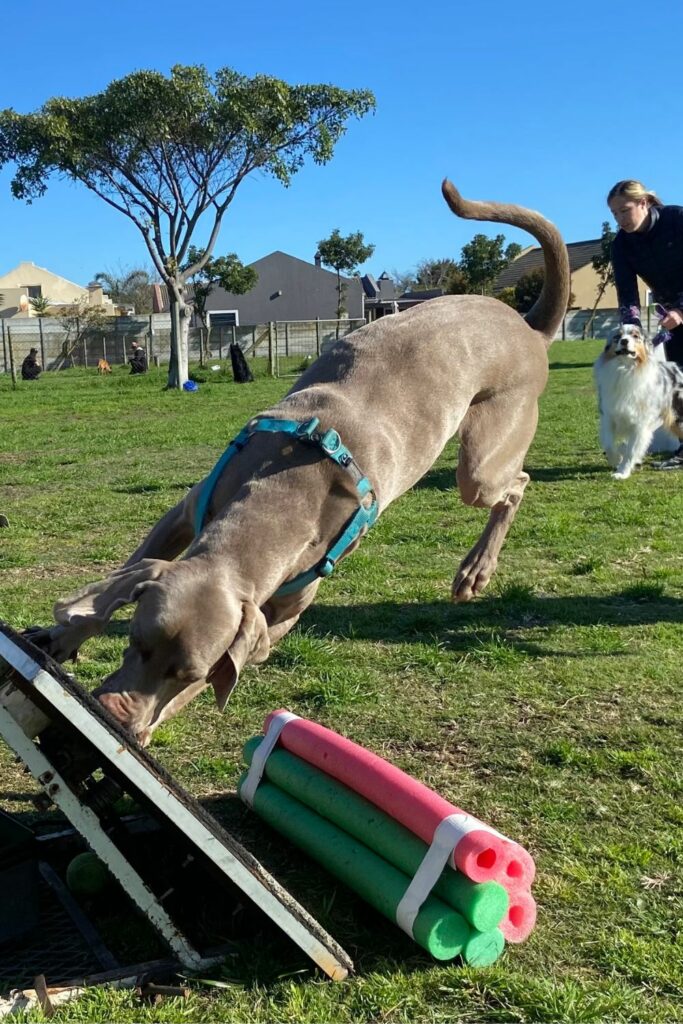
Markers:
440,273
482,260
343,252
602,264
227,272
128,287
40,304
170,152
403,280
528,288
78,321
507,295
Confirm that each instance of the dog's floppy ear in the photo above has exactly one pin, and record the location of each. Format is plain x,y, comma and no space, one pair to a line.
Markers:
100,600
251,643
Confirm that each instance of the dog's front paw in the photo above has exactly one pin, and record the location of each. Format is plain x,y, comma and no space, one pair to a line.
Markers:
622,474
57,641
472,577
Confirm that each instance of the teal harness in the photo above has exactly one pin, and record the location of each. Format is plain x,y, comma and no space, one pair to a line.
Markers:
330,443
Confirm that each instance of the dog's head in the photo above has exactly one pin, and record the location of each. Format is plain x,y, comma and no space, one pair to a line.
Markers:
188,631
630,343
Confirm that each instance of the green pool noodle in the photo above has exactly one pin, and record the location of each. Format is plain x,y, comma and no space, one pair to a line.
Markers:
482,904
438,928
483,948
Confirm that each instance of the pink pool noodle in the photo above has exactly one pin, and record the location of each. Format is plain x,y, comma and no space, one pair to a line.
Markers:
481,854
520,919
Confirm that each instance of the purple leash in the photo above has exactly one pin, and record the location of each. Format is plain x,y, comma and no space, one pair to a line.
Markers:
661,336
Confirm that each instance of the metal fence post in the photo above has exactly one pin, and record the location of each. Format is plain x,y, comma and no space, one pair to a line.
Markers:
317,335
287,337
42,342
4,345
271,354
12,367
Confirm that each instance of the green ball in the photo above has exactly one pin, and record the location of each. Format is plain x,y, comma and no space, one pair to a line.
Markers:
86,875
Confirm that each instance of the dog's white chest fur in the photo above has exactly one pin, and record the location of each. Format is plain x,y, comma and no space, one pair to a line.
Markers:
628,394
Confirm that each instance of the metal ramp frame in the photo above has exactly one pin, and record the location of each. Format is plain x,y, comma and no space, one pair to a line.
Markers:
32,685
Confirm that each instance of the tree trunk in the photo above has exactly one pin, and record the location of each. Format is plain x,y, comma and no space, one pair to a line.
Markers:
180,326
591,318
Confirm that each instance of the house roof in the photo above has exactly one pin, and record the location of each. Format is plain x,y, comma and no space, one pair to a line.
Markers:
580,254
278,255
425,293
25,268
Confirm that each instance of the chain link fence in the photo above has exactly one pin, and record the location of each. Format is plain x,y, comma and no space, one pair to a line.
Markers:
280,348
283,347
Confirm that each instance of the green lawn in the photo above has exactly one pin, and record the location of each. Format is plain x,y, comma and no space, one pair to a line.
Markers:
550,707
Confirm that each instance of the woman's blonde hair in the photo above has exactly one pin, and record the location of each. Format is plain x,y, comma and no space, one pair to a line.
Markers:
635,190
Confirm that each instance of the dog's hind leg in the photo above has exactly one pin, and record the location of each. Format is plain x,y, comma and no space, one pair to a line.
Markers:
495,436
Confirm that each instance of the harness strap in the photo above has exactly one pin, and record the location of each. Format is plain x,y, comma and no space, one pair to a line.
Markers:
331,445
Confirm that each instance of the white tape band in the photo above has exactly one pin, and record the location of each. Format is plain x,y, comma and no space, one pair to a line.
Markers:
446,836
261,755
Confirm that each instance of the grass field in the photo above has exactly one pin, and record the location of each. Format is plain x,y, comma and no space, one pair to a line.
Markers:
550,707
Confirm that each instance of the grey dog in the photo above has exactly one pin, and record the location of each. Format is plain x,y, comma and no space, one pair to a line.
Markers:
395,392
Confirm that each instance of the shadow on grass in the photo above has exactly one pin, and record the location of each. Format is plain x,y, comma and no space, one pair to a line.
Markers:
438,480
443,479
462,627
456,626
550,474
148,488
570,366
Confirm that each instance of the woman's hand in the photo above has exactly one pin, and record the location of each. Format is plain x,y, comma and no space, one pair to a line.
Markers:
673,319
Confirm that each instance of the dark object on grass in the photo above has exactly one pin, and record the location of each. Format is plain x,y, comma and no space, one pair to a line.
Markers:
31,368
240,370
19,906
4,521
138,359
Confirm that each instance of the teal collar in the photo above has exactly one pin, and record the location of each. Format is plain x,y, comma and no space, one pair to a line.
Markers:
330,443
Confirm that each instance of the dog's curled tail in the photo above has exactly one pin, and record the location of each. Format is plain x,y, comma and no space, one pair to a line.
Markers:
547,312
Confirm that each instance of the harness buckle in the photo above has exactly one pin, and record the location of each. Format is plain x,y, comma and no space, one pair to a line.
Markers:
330,442
306,429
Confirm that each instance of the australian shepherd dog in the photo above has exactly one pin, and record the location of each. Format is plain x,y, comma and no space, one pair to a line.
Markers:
638,392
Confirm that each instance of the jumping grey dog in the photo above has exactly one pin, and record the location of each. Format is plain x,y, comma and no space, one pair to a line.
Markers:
386,400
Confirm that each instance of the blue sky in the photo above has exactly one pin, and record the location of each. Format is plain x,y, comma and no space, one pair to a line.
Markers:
535,103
